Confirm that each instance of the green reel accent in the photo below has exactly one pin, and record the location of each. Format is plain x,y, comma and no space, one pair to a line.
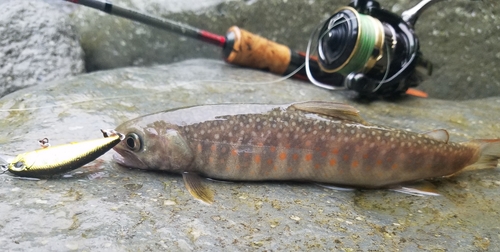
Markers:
366,42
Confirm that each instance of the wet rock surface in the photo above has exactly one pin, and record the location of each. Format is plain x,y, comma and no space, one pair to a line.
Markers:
37,44
103,206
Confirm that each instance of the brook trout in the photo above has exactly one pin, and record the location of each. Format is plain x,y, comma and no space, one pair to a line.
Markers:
320,142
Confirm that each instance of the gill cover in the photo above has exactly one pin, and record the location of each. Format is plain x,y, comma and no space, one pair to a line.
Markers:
179,152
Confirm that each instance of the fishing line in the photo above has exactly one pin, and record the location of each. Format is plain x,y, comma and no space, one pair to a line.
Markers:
69,103
308,54
143,94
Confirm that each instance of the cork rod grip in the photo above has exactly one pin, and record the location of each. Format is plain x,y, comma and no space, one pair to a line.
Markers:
250,50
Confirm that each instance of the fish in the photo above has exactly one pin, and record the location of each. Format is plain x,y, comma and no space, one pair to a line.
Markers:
315,141
52,160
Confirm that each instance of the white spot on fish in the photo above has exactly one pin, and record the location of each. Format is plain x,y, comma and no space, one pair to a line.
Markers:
216,136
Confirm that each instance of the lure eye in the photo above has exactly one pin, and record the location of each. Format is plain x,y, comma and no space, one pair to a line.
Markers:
133,142
17,166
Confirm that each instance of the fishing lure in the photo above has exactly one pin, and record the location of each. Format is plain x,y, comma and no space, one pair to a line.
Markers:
62,158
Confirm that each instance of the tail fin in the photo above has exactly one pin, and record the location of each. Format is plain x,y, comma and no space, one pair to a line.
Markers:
489,153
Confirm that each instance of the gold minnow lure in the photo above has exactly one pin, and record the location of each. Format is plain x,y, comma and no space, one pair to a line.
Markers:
62,158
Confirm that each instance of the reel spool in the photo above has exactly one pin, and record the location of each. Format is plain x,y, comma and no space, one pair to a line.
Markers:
375,50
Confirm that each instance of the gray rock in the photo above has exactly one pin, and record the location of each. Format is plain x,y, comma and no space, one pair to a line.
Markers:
106,207
459,37
37,44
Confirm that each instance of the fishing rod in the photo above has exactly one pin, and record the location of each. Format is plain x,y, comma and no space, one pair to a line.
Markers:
362,47
239,46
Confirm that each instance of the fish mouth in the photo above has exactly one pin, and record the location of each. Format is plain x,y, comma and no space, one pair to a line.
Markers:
128,159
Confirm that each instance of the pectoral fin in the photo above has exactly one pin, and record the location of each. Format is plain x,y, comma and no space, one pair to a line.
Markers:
337,110
195,186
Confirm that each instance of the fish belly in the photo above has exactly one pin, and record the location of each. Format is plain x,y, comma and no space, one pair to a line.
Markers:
286,145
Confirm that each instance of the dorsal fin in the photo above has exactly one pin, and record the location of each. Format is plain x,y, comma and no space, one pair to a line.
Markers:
334,109
439,135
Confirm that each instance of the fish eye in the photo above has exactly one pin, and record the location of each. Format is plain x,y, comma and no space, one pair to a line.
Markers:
133,141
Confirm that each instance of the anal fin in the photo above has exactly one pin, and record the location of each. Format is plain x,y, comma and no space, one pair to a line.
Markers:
195,186
420,188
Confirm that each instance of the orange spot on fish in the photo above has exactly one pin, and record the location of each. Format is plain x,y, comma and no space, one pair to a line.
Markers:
332,162
323,154
365,156
346,157
295,156
335,151
308,157
379,162
275,168
269,161
308,143
257,158
199,148
282,156
272,149
394,166
213,147
355,163
287,146
289,169
234,152
210,159
260,144
317,166
237,167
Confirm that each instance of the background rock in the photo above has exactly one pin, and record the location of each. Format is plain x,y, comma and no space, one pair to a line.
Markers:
459,37
37,44
106,207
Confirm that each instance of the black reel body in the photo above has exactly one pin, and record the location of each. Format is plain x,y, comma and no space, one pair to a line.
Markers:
375,50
